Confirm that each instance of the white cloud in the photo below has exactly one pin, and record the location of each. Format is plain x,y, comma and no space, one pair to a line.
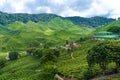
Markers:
70,12
44,9
103,7
84,8
19,6
59,2
2,2
113,5
96,9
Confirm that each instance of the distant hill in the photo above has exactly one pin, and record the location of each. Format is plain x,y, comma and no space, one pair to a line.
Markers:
112,27
90,22
6,18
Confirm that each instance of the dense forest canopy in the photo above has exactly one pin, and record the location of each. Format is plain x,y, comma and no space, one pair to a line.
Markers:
6,18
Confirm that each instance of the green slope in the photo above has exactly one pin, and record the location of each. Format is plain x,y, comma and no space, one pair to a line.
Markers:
19,35
29,67
55,32
109,26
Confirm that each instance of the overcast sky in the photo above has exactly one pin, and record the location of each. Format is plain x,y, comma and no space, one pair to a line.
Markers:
83,8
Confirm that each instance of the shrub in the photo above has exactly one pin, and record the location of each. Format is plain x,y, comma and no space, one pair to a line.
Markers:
48,56
2,63
34,52
13,55
89,73
30,51
56,52
37,53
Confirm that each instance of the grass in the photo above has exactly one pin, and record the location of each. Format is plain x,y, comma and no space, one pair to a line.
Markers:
3,55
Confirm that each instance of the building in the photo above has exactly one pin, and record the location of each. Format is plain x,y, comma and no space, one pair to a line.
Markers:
103,35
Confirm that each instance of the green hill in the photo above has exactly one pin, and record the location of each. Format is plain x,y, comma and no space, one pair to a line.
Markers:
19,35
112,27
108,26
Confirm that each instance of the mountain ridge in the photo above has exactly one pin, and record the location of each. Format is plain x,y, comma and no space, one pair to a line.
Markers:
7,18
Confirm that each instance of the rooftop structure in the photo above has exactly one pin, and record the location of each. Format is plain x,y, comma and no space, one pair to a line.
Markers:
105,35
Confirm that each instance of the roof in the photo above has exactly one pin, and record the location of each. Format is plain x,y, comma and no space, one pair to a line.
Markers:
106,35
104,32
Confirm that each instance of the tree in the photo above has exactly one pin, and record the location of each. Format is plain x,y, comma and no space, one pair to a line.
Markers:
114,29
99,54
104,53
114,48
13,55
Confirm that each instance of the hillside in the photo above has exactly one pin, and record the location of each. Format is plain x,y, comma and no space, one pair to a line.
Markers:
41,46
112,27
29,67
19,35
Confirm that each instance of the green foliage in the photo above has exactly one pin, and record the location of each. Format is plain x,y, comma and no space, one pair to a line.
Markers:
103,54
13,55
56,52
30,68
99,54
6,18
89,73
45,54
90,22
48,56
54,32
114,48
2,63
115,29
34,52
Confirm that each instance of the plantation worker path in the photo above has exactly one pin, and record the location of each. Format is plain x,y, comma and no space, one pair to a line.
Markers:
70,48
59,77
108,77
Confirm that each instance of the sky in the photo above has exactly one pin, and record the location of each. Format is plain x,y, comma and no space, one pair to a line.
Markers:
83,8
